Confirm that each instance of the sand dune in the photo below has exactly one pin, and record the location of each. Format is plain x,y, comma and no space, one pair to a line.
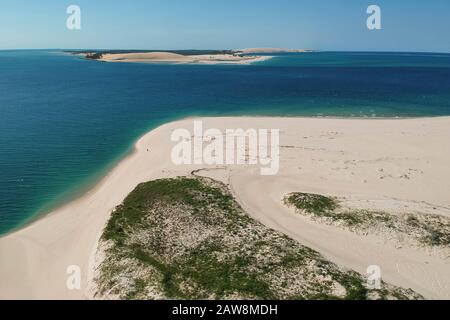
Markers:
168,57
340,157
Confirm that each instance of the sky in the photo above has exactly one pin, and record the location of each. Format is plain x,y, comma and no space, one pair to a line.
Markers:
407,25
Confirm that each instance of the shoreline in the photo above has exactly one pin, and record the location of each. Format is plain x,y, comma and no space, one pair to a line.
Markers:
97,178
23,237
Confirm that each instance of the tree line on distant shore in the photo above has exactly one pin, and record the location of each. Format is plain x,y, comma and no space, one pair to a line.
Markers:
94,55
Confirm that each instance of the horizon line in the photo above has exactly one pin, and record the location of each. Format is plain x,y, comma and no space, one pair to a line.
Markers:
192,49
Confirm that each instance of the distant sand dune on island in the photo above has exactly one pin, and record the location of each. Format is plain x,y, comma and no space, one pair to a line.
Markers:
237,56
169,57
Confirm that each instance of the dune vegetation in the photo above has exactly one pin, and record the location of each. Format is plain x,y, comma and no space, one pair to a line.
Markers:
187,238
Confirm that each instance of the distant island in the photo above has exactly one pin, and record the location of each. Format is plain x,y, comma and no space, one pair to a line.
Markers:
238,56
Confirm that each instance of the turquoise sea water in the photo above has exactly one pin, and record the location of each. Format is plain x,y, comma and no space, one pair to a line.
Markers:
65,121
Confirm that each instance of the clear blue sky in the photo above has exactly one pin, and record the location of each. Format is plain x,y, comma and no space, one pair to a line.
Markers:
408,25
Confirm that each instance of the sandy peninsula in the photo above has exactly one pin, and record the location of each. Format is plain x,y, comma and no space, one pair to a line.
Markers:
398,165
237,56
169,57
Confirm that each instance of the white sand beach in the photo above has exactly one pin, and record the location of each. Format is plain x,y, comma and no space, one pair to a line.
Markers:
168,57
401,165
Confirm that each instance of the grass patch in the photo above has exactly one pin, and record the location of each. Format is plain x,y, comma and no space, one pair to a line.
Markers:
425,229
313,203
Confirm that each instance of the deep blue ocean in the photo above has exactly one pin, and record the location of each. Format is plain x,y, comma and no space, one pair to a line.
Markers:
65,121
